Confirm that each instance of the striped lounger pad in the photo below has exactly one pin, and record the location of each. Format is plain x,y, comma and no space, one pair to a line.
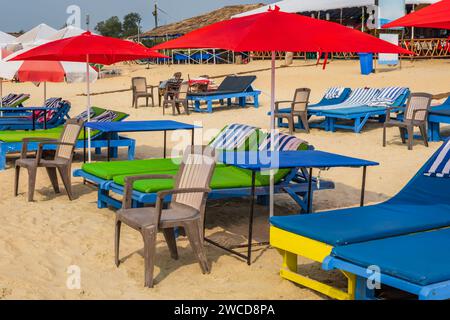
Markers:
440,167
233,137
359,97
282,142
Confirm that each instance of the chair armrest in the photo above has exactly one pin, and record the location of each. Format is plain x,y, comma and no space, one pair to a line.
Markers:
162,194
420,110
26,141
388,113
129,181
42,144
284,101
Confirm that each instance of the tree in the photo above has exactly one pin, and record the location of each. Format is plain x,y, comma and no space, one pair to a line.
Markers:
131,24
111,27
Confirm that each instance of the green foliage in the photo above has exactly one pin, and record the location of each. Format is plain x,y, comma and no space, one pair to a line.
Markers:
111,27
131,24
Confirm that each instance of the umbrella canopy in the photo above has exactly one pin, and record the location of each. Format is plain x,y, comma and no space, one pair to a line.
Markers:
280,31
6,39
98,49
67,32
435,16
35,35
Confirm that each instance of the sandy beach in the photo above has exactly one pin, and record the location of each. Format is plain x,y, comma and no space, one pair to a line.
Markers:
39,241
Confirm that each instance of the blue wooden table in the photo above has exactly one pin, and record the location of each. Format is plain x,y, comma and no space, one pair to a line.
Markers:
264,161
110,128
29,109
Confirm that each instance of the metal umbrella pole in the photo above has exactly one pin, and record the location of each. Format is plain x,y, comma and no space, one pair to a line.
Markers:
272,133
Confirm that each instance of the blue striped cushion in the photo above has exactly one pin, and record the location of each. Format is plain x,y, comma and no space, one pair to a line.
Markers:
107,116
440,167
388,96
84,116
232,137
334,93
282,142
362,96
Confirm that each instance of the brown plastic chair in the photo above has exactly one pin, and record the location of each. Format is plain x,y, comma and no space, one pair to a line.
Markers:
299,108
416,115
172,84
62,160
179,97
186,210
140,90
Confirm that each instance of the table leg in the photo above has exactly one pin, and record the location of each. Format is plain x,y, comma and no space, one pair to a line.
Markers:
165,144
309,207
250,224
33,117
84,144
109,145
363,188
192,137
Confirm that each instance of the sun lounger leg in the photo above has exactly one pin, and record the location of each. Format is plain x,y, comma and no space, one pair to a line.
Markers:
197,105
209,104
362,291
131,150
256,101
98,151
3,152
229,102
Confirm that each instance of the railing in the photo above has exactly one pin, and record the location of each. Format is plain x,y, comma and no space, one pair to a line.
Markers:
423,48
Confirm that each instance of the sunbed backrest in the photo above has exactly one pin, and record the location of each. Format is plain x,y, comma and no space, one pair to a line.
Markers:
68,139
236,84
232,137
417,105
282,142
362,96
301,99
196,171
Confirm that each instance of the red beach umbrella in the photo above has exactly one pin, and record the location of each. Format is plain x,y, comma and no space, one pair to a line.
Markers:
275,30
89,48
434,16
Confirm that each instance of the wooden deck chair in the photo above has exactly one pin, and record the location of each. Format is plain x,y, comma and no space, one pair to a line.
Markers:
140,90
299,108
416,115
171,84
186,209
62,161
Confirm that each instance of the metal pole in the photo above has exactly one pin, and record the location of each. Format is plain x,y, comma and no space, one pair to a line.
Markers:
272,132
88,105
45,92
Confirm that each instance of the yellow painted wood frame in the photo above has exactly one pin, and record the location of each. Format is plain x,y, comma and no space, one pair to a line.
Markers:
291,245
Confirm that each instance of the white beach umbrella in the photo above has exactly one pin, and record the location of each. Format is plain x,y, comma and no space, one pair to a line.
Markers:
33,37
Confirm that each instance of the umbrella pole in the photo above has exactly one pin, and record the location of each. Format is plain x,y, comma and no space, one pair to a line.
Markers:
45,92
272,132
88,83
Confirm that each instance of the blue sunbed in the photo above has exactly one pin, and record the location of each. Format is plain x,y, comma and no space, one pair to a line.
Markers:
438,114
422,205
239,87
359,115
25,121
417,263
324,102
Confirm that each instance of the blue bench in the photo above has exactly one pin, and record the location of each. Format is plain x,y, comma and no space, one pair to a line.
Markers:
232,87
417,264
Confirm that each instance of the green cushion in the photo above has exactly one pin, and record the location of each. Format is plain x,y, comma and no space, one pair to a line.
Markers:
223,178
54,133
108,170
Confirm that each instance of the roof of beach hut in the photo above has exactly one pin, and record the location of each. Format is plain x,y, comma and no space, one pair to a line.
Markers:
320,5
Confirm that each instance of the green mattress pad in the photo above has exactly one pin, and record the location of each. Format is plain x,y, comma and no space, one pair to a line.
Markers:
225,177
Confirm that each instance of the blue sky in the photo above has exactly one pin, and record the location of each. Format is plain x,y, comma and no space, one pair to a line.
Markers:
25,14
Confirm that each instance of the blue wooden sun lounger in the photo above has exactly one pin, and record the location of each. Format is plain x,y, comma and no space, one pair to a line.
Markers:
11,141
55,117
422,205
239,87
438,114
324,102
417,264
